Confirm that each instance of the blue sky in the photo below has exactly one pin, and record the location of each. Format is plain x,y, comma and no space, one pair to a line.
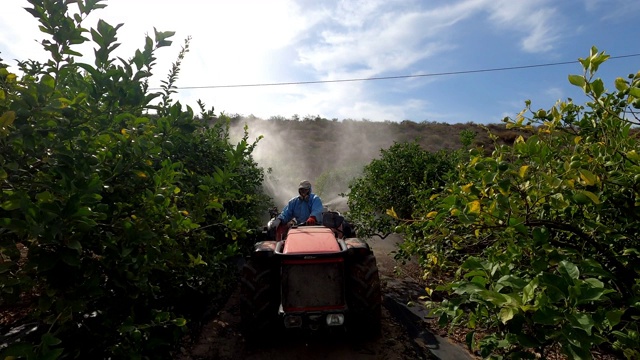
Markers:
257,41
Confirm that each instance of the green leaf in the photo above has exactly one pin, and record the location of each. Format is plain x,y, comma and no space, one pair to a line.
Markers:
631,251
528,292
635,92
576,353
95,74
594,283
568,270
588,177
71,52
50,340
11,205
495,298
547,316
514,282
473,263
577,80
598,87
7,118
162,316
613,317
582,321
540,235
555,293
468,288
585,63
506,314
162,35
621,84
590,294
471,340
179,322
44,196
215,205
75,245
480,280
475,273
583,197
195,261
633,155
83,211
48,81
518,225
590,267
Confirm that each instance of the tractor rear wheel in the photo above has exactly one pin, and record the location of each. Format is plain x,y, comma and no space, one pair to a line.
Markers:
364,297
259,299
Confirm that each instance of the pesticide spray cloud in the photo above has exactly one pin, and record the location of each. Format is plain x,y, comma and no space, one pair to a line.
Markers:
328,153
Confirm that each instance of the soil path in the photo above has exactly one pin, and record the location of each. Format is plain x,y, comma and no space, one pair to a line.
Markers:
404,334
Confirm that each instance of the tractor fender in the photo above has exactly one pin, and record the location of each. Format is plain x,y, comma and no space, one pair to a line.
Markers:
264,248
355,245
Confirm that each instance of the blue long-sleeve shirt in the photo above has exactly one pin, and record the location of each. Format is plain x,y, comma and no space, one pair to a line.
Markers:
302,209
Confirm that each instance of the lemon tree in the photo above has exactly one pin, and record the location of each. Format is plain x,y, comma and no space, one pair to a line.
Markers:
544,235
121,211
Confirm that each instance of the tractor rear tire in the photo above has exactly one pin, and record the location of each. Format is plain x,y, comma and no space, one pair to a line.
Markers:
259,300
364,298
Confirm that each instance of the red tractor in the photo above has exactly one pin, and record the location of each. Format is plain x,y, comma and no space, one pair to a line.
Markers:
311,277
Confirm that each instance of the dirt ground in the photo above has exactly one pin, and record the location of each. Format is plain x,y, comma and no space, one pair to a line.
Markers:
221,338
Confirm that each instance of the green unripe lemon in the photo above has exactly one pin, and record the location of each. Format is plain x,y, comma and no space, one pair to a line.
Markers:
581,199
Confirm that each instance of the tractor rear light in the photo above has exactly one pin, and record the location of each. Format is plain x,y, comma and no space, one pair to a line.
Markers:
335,319
292,321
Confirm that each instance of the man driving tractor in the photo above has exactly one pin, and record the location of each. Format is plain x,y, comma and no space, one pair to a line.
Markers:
310,277
306,207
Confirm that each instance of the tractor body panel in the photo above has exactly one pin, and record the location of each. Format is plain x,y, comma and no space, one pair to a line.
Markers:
357,244
311,240
264,248
314,285
312,277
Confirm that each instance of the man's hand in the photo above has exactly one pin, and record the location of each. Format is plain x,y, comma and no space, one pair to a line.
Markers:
273,223
311,220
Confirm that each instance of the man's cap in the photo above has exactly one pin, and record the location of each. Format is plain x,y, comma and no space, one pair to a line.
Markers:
304,184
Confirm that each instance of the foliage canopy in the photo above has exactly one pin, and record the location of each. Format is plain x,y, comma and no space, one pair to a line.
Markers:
394,181
544,234
119,217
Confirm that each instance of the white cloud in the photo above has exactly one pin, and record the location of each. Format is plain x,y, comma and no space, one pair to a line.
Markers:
355,13
18,34
536,21
555,93
369,39
613,9
392,39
